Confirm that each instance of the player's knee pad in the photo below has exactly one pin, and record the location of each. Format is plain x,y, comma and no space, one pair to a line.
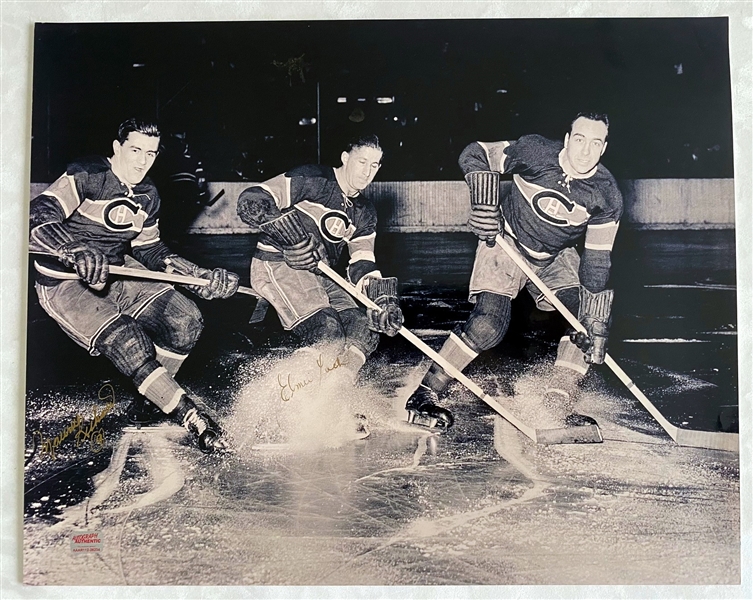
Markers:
570,297
323,326
173,321
126,344
357,331
488,323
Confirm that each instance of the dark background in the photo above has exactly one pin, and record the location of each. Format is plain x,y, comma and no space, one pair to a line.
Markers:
239,90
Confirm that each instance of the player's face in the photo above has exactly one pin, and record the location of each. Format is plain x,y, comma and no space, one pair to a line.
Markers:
132,160
360,166
585,144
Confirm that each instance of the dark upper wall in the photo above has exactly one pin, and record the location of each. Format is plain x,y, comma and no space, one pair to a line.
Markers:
238,91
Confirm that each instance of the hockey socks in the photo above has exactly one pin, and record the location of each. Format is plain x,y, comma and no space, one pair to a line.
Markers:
154,382
172,361
455,351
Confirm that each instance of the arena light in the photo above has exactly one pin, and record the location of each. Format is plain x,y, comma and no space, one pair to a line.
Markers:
307,121
385,99
341,99
362,99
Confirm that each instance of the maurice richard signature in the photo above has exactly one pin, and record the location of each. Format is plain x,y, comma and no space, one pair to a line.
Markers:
81,432
290,385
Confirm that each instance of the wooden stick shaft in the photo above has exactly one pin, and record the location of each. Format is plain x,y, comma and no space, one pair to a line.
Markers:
671,430
147,274
428,351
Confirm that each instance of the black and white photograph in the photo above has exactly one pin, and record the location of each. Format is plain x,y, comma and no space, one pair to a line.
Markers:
382,302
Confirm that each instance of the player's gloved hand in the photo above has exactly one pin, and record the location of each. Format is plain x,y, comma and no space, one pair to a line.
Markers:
389,318
222,283
304,255
486,217
594,314
90,262
485,222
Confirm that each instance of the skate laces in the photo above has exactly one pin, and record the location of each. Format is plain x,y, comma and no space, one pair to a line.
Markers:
194,420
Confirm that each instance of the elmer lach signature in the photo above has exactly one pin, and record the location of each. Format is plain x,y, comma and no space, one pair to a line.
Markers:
289,386
81,432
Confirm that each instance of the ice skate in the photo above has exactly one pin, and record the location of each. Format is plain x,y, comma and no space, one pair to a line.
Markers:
423,411
208,434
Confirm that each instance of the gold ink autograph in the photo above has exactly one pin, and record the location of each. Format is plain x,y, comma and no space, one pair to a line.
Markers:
288,387
83,433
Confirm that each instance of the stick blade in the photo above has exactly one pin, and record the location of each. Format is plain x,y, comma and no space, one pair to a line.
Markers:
711,440
578,434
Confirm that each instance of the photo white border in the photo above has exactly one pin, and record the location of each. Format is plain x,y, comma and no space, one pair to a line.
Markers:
16,44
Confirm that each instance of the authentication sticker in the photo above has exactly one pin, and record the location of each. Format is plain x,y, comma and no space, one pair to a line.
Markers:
86,541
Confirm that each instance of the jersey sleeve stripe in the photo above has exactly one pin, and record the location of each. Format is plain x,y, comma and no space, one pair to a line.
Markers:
148,235
362,255
266,247
601,236
486,151
363,238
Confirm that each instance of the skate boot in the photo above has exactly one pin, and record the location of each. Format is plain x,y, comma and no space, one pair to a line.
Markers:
424,412
208,434
142,412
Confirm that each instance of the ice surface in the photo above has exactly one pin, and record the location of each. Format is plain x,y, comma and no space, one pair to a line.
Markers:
478,505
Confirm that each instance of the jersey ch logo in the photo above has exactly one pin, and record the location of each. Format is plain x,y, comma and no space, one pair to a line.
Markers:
556,208
122,214
334,225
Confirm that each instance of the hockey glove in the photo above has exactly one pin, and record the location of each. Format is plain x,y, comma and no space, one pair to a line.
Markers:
222,283
89,261
486,217
594,314
389,318
304,255
486,223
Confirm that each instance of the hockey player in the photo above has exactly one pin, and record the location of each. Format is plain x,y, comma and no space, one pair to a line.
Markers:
331,206
104,211
559,193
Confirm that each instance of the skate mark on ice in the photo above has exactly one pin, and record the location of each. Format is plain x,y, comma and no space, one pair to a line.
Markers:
166,473
105,484
421,447
168,477
423,528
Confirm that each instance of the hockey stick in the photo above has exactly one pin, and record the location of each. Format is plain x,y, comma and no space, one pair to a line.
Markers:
716,440
142,274
567,435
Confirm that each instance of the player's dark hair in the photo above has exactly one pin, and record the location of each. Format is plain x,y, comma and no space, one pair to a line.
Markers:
592,116
130,125
364,141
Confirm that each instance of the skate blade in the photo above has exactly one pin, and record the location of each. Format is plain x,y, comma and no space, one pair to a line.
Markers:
580,434
153,428
431,423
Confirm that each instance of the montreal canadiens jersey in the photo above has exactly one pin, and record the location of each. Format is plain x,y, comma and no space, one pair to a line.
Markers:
97,208
547,210
339,220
